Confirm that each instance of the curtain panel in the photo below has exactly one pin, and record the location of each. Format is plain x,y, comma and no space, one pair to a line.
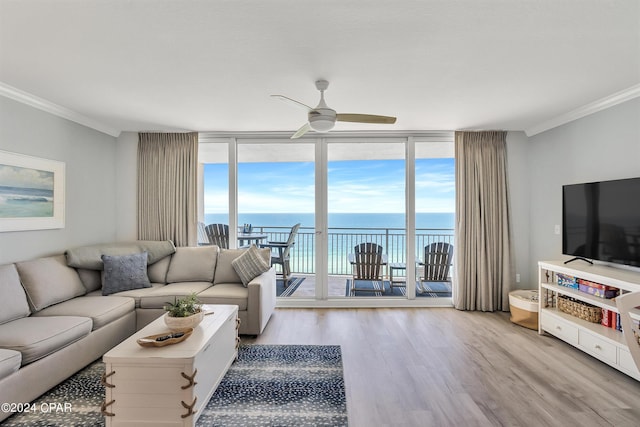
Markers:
483,257
167,187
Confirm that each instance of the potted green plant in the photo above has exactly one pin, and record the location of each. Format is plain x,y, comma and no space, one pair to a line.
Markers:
183,313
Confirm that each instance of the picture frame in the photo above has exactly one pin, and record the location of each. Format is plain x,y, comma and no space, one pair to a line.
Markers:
31,193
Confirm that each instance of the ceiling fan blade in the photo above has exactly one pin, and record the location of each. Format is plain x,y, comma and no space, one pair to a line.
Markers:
365,118
304,129
289,100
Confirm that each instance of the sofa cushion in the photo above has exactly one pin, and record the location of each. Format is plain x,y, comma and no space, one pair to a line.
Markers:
157,272
102,310
225,272
124,273
10,361
134,294
91,279
250,265
160,296
41,336
12,296
48,281
226,293
91,256
193,264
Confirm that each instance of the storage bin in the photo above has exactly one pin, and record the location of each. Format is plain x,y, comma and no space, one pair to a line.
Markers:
579,309
523,305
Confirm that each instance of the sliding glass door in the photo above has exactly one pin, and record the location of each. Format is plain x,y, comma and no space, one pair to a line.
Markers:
366,213
276,209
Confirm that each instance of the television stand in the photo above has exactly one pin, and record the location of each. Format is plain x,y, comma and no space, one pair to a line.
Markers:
579,258
605,343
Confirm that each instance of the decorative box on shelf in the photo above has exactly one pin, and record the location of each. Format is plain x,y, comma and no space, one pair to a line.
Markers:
596,289
567,281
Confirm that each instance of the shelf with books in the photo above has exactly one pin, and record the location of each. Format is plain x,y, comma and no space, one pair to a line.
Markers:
605,303
575,316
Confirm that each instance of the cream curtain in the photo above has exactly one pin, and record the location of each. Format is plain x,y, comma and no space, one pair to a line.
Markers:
483,267
167,187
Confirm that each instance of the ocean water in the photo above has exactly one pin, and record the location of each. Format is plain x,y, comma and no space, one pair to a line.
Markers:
20,202
350,221
345,231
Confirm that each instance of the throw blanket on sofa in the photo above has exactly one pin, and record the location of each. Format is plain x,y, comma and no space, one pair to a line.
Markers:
90,257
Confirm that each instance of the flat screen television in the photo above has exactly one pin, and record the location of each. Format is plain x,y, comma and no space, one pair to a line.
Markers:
601,221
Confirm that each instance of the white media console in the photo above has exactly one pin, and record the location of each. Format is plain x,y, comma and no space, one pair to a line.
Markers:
604,343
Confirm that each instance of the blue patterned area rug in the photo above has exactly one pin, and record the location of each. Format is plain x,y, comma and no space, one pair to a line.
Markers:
269,385
377,288
287,385
292,285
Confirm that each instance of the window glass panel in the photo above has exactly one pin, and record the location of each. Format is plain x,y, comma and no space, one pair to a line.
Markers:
435,218
214,202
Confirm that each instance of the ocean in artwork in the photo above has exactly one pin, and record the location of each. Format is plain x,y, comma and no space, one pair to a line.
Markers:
24,202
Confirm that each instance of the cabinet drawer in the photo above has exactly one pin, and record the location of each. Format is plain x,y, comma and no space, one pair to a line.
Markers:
598,347
564,330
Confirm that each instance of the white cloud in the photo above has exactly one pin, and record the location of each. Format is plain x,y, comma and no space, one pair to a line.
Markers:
13,176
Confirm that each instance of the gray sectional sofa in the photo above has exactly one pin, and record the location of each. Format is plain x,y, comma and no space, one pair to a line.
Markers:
58,315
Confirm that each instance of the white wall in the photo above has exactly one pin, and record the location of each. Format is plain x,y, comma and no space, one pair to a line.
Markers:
90,202
601,146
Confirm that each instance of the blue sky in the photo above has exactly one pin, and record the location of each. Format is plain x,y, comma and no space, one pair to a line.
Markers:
355,186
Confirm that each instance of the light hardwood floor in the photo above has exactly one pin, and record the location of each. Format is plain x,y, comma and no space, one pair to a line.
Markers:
444,367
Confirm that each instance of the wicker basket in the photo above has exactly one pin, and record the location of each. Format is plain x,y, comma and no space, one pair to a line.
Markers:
580,309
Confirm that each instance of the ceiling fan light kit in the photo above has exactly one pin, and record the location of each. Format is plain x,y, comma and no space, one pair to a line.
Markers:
323,119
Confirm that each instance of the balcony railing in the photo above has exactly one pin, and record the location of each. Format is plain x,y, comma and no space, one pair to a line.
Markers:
341,242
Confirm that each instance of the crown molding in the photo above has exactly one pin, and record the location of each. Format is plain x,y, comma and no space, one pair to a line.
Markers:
57,110
593,107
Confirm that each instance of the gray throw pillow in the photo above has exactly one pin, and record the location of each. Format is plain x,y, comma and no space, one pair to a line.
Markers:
124,273
249,265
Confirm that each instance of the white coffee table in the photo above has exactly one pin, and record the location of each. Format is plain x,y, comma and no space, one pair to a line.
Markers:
168,386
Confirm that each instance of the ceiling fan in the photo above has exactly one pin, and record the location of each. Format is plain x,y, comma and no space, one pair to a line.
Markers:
323,119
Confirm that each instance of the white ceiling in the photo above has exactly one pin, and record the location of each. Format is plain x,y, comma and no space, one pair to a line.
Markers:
211,65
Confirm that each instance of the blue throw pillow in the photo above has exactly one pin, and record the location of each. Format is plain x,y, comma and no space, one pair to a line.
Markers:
124,273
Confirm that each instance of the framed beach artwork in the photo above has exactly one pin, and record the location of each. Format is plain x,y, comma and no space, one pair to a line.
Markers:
31,193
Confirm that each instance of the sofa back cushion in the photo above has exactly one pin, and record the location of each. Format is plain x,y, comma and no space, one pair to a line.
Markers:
193,264
91,256
225,273
157,271
12,296
91,279
48,281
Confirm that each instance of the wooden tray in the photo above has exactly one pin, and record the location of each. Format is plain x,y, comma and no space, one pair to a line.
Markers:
150,341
